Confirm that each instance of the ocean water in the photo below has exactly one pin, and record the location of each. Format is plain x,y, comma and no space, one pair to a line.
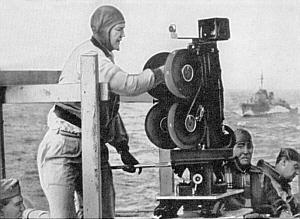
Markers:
25,125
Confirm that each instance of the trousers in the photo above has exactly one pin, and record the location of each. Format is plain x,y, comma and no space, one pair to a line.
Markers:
60,171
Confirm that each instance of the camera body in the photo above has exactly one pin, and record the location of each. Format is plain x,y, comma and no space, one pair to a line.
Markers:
188,115
213,29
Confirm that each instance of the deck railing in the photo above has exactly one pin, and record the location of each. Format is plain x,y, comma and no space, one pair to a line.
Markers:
19,87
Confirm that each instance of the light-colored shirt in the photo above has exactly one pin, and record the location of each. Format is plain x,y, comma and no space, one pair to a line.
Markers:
120,82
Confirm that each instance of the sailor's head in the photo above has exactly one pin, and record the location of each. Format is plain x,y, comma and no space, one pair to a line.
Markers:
107,24
243,148
288,163
11,200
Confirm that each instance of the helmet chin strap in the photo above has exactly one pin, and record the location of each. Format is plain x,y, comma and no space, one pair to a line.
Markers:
108,38
103,38
100,46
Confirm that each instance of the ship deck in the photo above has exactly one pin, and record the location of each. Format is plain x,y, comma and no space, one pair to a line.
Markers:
240,213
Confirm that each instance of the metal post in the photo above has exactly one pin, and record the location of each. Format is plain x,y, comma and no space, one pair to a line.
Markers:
166,176
91,152
2,154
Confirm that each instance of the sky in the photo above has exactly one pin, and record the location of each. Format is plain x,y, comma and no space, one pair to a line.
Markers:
265,35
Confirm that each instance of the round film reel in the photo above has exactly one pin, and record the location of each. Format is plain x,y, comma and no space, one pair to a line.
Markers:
160,92
185,131
183,73
156,126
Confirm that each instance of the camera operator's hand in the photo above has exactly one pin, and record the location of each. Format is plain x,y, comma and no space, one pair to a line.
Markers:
159,75
129,160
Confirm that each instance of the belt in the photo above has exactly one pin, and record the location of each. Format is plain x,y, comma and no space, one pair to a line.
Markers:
67,116
69,134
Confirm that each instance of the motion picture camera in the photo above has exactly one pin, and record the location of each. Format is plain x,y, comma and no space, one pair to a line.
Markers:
188,112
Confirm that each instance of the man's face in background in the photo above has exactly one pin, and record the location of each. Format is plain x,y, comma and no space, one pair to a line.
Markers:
288,169
243,150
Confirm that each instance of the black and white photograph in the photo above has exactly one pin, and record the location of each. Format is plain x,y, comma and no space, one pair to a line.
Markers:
149,109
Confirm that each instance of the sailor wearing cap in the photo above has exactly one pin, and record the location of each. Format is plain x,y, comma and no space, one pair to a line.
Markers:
11,201
276,190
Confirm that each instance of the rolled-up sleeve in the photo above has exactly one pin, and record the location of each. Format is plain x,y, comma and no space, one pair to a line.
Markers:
123,83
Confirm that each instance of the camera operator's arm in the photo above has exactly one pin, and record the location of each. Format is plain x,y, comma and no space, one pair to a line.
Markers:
119,139
126,84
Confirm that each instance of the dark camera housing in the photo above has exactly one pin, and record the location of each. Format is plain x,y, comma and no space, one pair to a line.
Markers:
213,29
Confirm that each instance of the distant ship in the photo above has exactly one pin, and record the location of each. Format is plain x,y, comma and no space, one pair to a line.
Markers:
263,102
